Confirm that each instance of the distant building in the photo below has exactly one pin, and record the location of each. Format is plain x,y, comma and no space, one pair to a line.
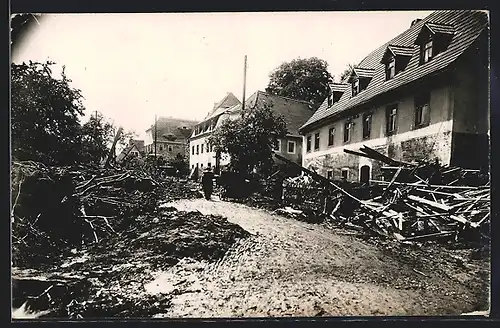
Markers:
135,148
295,113
201,155
421,96
172,136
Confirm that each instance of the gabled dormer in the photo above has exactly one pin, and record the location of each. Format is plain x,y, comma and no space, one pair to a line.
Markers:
335,92
396,59
433,39
360,78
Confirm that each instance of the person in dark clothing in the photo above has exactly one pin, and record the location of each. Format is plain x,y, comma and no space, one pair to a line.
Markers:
207,182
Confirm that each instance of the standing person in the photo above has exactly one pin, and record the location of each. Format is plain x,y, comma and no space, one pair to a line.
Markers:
207,182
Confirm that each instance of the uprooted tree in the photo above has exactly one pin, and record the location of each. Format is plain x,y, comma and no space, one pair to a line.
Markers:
45,115
301,79
249,140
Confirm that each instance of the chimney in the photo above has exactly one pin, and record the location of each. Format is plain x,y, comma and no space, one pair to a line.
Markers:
415,21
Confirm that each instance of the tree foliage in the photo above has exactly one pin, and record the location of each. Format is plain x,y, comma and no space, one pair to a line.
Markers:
249,140
45,115
301,79
180,164
96,139
347,72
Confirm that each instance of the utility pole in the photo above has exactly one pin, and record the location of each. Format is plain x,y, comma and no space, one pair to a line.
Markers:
244,85
155,159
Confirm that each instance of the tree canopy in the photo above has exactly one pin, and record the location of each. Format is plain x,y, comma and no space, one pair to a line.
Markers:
301,79
45,115
249,140
347,71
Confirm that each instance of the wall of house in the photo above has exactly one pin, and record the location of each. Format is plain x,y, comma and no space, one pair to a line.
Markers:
471,113
408,144
162,149
296,156
200,159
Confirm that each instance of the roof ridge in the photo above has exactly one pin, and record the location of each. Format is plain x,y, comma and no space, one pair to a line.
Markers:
288,98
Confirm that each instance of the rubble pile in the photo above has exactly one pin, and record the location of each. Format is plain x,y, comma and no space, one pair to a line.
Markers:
86,240
423,201
417,201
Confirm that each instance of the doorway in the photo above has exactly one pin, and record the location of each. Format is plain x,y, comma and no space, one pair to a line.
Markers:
364,176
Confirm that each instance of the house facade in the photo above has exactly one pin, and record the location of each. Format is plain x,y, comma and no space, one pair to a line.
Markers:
172,138
424,95
135,148
295,113
201,155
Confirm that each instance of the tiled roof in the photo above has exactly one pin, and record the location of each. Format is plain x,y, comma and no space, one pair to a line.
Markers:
440,28
400,50
364,72
229,100
338,87
295,112
467,25
172,129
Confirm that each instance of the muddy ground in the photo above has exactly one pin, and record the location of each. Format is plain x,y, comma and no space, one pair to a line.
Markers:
292,268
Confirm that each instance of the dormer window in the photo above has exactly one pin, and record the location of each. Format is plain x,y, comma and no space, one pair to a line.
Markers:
396,59
433,39
335,92
360,78
426,52
355,87
390,70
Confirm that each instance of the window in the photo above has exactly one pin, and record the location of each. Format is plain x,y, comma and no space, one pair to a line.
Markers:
391,118
367,125
211,148
426,52
347,131
169,148
355,87
208,148
291,147
331,135
161,147
277,145
316,141
308,143
201,146
329,174
197,149
201,165
209,164
345,174
390,68
192,150
422,116
192,166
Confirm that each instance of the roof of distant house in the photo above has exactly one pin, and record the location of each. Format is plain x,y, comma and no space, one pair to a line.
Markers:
172,129
228,101
463,26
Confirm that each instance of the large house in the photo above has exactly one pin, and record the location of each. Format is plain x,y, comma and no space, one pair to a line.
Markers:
295,114
171,136
421,96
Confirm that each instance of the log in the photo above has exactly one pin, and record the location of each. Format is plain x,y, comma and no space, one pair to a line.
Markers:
432,235
429,202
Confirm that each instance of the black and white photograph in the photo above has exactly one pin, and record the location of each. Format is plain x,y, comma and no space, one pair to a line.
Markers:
283,164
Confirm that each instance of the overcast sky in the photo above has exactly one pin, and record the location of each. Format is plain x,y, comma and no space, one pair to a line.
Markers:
133,66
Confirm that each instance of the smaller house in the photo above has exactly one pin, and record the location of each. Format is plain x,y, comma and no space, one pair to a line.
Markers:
135,148
171,136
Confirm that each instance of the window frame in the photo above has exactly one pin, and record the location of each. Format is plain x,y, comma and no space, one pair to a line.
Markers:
422,119
388,116
331,136
192,150
355,87
308,143
197,149
426,51
347,131
329,174
367,117
291,142
390,68
170,148
277,146
316,141
346,170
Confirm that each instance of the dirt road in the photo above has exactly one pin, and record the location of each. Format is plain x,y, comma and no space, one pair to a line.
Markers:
290,268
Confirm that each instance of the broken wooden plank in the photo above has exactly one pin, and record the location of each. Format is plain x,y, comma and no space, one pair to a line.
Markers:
413,184
432,235
429,202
